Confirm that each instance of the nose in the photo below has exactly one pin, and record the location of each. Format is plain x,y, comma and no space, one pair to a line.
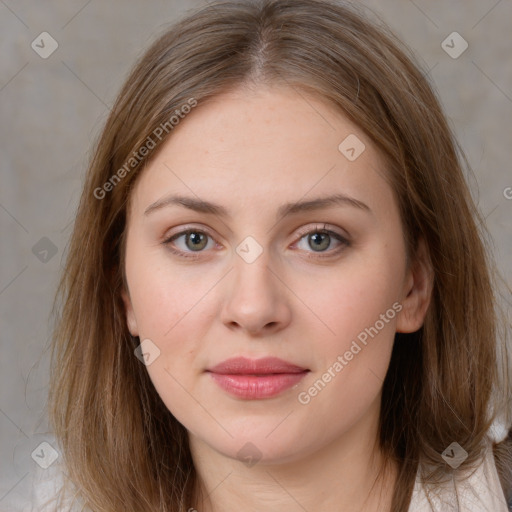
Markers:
256,301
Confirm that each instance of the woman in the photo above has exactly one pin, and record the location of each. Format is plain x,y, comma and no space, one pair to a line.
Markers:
276,295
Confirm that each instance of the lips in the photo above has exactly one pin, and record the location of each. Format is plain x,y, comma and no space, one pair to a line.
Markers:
254,379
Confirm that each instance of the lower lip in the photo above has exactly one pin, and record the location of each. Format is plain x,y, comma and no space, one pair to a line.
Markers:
254,387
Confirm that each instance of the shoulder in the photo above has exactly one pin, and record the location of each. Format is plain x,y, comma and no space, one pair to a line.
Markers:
53,492
478,491
47,488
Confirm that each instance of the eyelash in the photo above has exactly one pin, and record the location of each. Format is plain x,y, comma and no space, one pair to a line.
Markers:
302,234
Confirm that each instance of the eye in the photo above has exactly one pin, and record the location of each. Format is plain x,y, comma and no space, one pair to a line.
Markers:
320,240
189,241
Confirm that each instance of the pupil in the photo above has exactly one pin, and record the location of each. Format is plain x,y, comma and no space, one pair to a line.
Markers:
319,240
197,240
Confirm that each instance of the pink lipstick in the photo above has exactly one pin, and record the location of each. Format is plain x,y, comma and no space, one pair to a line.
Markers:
255,379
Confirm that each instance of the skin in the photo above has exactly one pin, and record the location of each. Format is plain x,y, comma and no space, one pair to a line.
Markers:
251,152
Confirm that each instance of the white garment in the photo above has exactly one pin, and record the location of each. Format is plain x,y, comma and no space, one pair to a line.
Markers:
481,492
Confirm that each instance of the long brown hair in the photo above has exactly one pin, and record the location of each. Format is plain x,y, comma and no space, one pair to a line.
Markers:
122,448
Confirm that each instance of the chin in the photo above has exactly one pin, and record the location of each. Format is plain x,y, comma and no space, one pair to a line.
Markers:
259,447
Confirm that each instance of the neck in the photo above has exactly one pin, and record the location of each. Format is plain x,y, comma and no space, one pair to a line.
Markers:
349,474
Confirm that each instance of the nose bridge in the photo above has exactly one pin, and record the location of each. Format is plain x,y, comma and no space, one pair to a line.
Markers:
255,300
253,278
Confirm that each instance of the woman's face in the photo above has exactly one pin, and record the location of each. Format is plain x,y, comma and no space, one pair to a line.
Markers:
295,251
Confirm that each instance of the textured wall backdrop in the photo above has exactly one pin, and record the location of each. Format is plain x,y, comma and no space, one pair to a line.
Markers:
53,105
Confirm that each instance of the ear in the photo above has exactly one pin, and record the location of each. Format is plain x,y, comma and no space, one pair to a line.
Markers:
131,321
417,291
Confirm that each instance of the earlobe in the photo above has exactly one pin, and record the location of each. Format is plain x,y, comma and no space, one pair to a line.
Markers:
131,321
417,291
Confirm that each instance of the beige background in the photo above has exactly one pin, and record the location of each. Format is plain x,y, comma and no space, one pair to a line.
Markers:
52,109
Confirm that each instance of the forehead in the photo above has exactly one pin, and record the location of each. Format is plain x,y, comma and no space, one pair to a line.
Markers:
271,142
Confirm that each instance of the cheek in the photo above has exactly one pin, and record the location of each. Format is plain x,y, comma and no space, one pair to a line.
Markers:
360,304
172,315
163,294
355,296
172,309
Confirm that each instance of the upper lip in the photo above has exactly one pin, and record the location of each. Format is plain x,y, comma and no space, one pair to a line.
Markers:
245,366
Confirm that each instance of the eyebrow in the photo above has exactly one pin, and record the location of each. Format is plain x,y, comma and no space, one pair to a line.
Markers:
201,206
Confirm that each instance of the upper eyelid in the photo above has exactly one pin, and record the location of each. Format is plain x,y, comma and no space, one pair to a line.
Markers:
319,226
186,230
